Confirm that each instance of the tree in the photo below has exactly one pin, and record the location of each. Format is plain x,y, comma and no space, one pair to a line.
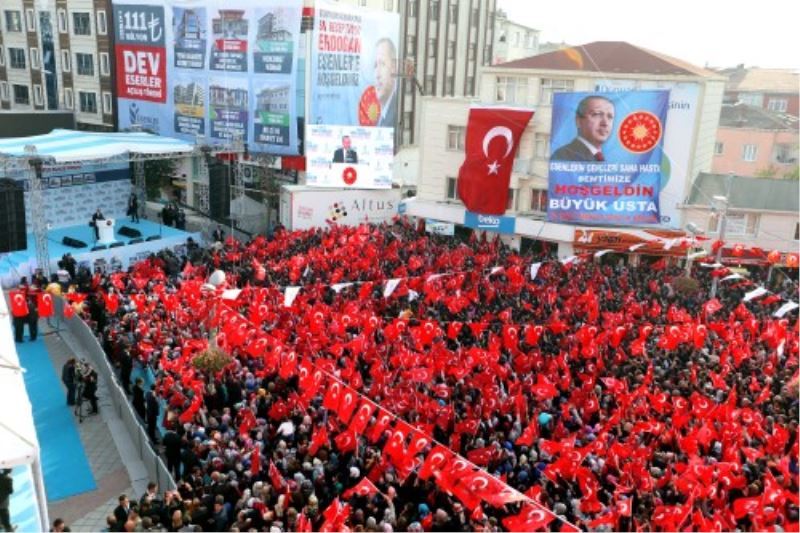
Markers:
769,172
158,173
794,174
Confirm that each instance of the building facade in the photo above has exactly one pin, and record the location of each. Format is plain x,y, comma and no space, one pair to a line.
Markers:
776,90
512,40
761,212
56,54
531,83
755,142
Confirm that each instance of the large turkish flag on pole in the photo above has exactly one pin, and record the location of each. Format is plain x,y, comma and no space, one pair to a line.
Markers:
493,135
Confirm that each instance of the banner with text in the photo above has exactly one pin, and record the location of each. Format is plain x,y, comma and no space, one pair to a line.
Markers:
213,68
605,165
354,94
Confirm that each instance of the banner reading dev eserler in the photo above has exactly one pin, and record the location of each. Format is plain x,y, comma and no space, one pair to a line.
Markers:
605,164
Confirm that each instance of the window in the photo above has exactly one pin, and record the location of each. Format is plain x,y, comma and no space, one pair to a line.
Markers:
411,45
511,204
408,119
455,137
65,61
452,12
531,41
516,38
785,154
412,8
451,49
778,105
363,3
81,24
30,20
16,57
105,66
749,152
34,58
3,90
2,56
69,103
21,94
472,51
512,90
737,223
102,27
37,94
550,86
62,21
107,104
470,88
433,11
88,102
448,85
539,200
487,54
719,148
13,21
432,47
430,85
541,146
756,99
84,63
452,191
476,17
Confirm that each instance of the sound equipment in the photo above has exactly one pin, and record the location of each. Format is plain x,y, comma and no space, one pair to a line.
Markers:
98,247
116,244
153,238
13,236
219,190
126,231
136,241
73,243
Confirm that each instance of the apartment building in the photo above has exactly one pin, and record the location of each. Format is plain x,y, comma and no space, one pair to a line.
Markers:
56,54
512,40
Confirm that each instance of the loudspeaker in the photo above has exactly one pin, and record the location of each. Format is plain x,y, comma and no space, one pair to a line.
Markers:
98,247
136,241
219,190
13,236
153,238
125,231
74,243
116,244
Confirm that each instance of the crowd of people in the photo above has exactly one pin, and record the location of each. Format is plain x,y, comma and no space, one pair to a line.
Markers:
383,379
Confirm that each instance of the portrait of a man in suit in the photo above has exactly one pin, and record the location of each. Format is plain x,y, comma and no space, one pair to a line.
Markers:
345,154
594,119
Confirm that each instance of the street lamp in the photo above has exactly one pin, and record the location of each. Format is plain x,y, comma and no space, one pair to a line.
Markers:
721,204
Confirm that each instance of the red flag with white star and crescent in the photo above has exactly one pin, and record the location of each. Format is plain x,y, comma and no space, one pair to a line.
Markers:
493,135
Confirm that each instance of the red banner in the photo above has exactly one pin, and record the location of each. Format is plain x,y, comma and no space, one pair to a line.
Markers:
141,72
493,135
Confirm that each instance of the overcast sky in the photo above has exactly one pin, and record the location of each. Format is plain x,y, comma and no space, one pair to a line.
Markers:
716,33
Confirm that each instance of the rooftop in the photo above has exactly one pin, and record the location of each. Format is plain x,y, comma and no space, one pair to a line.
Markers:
763,194
774,80
745,116
615,57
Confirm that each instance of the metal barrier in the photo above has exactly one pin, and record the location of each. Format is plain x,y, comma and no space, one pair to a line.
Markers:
92,351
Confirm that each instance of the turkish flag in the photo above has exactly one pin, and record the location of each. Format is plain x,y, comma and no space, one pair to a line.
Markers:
255,461
19,306
44,301
493,135
531,518
365,488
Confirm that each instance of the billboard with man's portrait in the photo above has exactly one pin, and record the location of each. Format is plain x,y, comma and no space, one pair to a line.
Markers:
221,69
354,96
606,157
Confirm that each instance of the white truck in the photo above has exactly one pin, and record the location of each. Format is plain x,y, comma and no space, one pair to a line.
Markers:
303,207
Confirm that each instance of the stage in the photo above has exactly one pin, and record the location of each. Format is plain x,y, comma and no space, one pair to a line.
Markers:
13,265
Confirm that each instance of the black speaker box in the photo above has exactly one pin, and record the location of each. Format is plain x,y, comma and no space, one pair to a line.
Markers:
136,241
13,236
126,231
74,243
219,190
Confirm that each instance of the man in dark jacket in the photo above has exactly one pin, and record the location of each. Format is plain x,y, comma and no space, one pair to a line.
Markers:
153,410
68,379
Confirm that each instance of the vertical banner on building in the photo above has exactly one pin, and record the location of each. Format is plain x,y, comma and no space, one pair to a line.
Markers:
354,84
221,69
678,140
606,160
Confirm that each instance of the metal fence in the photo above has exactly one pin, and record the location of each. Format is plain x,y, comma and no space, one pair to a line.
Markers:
93,352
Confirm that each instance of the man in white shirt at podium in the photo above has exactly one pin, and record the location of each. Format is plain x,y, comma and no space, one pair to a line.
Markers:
98,215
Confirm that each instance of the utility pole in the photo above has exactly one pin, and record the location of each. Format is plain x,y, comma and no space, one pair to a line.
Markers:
725,201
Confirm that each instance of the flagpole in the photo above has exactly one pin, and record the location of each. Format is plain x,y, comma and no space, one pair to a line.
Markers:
725,201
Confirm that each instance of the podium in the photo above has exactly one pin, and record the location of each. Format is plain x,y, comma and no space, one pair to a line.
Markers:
105,229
